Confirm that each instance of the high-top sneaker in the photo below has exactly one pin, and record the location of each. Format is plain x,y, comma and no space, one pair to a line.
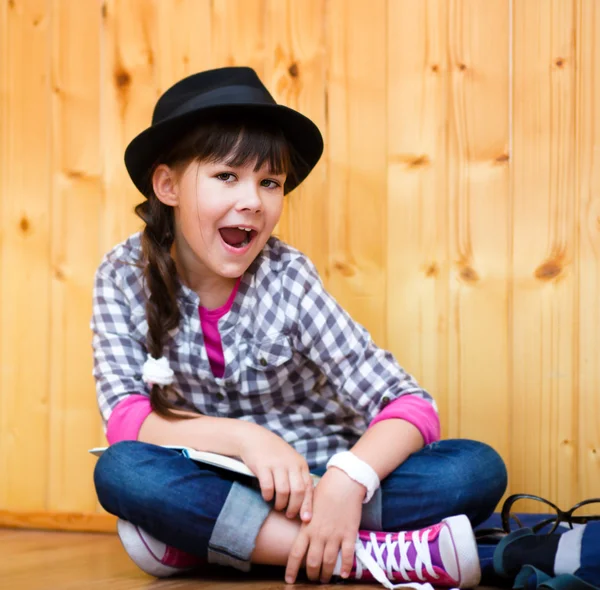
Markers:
151,555
444,554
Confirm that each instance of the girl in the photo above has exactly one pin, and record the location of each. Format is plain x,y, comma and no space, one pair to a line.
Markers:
210,333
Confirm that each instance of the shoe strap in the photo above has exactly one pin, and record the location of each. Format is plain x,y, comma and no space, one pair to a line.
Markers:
529,578
368,563
503,545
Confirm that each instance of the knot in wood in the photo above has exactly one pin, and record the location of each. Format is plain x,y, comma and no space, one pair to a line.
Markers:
432,270
418,161
293,70
548,270
343,268
468,274
122,78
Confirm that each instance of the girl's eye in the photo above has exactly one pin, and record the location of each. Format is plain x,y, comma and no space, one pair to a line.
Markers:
267,183
225,176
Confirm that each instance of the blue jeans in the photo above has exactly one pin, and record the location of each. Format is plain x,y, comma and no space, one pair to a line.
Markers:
217,514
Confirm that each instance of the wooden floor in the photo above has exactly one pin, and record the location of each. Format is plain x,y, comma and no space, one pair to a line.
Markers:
42,560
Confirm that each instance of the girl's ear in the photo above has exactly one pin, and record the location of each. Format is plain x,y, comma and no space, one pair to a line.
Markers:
164,182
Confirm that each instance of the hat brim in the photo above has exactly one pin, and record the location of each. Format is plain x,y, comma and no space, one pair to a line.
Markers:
144,150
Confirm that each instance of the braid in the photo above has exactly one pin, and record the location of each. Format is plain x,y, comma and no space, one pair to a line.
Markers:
160,274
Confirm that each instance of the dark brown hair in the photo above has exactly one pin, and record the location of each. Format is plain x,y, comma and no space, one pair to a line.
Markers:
234,142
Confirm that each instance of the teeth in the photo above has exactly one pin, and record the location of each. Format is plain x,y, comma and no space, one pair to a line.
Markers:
245,228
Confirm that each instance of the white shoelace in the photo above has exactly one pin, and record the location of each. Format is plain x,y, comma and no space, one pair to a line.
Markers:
384,572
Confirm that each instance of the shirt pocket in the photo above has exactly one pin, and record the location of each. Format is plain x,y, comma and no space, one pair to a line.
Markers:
267,366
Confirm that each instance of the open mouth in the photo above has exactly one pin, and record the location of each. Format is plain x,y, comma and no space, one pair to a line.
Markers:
237,237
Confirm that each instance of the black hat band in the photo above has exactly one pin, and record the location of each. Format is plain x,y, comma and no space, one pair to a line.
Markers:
223,96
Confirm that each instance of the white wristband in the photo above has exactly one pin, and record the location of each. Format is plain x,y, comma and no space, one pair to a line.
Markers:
357,470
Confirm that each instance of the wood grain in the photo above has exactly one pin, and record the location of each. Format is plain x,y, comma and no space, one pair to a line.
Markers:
25,270
417,193
545,243
588,259
71,561
357,154
455,213
5,411
183,40
478,190
129,90
296,71
76,206
239,33
59,521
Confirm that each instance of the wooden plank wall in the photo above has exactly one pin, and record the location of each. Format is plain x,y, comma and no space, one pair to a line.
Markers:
456,212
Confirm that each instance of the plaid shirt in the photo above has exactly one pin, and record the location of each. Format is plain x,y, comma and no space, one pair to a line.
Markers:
295,361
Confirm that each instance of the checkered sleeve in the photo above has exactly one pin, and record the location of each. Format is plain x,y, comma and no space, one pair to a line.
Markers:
118,358
367,376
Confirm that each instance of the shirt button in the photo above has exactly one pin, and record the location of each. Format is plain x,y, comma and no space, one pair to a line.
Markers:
385,400
263,362
220,396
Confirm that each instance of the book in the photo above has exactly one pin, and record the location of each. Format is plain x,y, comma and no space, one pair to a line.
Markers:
214,459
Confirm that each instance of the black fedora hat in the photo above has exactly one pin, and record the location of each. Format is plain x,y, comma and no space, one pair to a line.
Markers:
236,90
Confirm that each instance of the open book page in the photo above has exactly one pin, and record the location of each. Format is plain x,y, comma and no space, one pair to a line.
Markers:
214,459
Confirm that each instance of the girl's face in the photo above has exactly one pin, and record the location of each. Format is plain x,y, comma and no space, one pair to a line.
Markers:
224,215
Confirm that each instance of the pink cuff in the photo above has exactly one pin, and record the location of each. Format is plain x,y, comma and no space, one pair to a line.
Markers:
414,409
127,418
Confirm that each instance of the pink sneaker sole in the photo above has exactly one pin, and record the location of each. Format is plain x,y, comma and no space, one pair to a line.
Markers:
153,556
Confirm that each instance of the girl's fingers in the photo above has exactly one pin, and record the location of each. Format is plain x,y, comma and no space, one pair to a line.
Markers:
295,557
314,559
297,491
307,503
347,557
330,555
282,489
267,487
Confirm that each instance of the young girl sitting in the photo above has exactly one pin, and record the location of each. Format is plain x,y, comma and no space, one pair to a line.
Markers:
210,333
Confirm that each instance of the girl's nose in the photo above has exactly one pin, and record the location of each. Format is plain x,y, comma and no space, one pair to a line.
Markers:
250,199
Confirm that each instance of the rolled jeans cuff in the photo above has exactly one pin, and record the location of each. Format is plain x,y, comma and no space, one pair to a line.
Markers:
238,524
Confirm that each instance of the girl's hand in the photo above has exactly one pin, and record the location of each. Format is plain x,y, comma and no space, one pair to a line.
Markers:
334,526
282,473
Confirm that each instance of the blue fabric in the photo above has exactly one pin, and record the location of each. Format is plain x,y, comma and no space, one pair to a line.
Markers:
244,512
180,502
486,550
587,577
590,554
566,582
529,578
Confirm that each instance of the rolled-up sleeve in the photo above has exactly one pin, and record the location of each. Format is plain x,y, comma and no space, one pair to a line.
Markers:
368,376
